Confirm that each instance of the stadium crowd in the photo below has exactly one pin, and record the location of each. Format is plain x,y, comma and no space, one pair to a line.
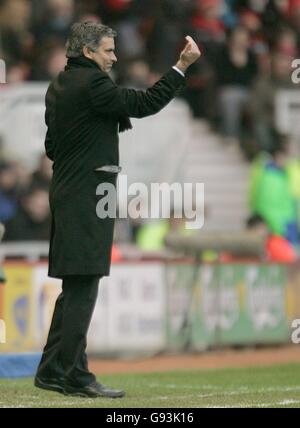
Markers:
248,47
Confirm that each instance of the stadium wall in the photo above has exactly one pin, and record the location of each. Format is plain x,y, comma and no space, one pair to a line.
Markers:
148,307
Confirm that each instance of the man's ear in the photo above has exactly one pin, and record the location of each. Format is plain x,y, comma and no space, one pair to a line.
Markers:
87,52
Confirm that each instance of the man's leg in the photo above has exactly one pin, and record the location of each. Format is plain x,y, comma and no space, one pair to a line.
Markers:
80,295
50,365
50,374
79,302
68,339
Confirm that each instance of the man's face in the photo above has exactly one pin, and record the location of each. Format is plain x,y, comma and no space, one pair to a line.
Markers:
104,56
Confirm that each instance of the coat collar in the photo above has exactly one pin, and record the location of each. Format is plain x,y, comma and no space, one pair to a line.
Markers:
81,61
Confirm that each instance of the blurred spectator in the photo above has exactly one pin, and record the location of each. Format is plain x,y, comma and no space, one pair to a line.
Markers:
236,69
278,249
14,34
257,6
114,10
293,171
229,15
49,63
294,15
257,166
8,191
43,174
32,221
200,89
251,20
151,235
272,198
129,29
206,21
137,74
206,27
16,41
56,21
286,41
165,34
16,73
262,100
23,176
274,17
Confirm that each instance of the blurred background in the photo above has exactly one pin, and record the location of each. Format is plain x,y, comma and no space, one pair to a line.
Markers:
234,128
239,108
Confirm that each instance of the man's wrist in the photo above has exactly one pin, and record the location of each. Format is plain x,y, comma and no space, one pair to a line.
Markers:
178,71
182,67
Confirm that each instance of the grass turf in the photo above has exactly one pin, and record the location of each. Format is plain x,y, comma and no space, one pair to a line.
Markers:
276,386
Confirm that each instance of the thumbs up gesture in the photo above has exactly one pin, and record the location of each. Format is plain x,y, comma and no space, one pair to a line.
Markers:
188,55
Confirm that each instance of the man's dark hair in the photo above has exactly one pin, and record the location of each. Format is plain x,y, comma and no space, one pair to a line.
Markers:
87,34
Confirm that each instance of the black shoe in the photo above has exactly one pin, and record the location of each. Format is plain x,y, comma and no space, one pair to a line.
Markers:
93,390
52,384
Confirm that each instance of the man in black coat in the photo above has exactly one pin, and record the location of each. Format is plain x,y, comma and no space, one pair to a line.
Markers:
85,110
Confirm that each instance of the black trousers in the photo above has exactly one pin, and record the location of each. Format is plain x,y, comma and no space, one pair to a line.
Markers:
64,354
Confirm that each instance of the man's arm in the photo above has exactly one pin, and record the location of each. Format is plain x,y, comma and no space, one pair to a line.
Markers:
106,97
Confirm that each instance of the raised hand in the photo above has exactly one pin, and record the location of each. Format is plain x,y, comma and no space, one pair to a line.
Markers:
188,55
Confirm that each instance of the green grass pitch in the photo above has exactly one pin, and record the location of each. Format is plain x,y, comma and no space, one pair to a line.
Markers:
276,386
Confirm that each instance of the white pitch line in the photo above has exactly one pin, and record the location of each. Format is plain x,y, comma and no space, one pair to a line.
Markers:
279,403
233,393
238,390
240,405
173,386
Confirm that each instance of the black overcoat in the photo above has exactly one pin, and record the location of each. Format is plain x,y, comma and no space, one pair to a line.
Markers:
84,109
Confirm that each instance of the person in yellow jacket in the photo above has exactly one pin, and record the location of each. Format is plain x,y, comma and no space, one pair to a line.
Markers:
151,235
